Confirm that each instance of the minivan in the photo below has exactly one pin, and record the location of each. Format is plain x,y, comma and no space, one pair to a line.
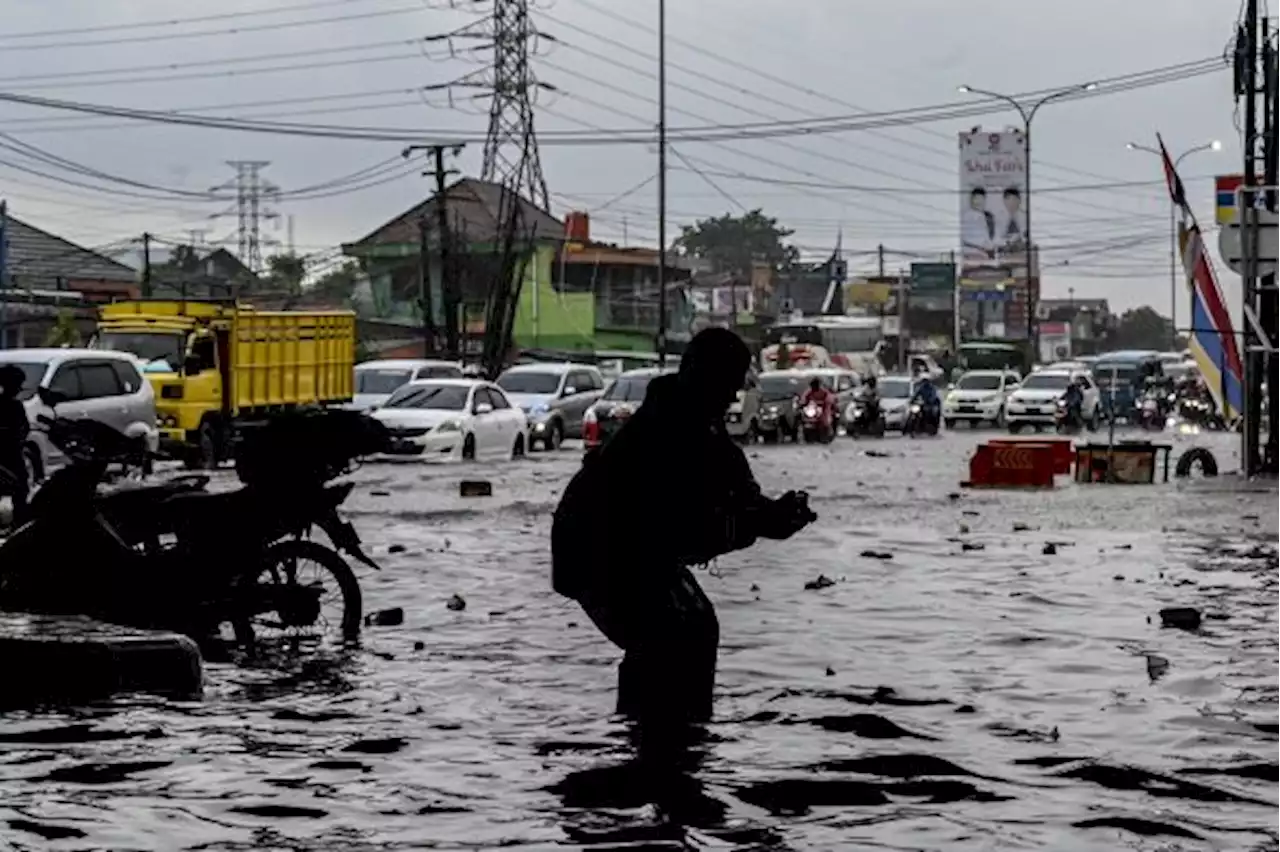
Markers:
97,384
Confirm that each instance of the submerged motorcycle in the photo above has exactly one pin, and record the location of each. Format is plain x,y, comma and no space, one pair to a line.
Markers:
178,557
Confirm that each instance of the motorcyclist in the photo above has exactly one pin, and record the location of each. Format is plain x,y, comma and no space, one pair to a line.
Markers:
1073,399
819,395
870,395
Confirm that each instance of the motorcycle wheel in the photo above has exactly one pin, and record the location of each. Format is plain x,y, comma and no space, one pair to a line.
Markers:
281,568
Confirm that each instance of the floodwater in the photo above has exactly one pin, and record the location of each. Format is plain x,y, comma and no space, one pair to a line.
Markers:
970,692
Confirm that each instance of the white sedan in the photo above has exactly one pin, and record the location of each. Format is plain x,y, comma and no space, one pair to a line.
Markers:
454,419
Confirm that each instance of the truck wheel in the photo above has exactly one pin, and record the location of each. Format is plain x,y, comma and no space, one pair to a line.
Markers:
208,446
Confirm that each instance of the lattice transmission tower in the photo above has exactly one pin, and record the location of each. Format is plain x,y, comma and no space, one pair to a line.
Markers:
507,38
252,195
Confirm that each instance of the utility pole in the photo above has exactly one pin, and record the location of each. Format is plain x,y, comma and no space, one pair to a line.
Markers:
1269,299
4,274
450,299
1248,46
880,261
146,265
662,184
424,288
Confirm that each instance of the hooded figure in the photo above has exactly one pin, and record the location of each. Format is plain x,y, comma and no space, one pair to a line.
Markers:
671,490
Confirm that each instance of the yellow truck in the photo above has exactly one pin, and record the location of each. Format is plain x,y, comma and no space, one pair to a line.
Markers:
219,366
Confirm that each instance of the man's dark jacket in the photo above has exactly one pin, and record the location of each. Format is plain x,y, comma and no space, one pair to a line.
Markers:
670,489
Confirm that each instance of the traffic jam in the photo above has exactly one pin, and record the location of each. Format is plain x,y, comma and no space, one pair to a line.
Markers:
814,380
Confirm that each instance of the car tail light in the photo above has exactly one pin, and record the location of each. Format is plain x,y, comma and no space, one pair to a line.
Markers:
590,428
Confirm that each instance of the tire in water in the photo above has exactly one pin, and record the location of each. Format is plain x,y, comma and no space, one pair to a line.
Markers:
1192,457
334,565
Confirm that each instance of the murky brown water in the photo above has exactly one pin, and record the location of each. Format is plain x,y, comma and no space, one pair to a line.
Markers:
994,697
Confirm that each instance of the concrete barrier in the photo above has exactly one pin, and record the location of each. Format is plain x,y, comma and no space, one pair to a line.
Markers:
59,659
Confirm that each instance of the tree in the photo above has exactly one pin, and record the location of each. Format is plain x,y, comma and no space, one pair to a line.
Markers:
286,271
64,331
338,283
733,243
1142,328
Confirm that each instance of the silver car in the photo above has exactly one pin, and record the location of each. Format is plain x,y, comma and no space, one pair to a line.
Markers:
97,384
555,397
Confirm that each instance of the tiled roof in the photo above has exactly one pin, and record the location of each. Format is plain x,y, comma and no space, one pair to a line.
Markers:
473,209
38,259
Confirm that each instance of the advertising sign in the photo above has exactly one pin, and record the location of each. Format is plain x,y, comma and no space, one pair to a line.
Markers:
993,218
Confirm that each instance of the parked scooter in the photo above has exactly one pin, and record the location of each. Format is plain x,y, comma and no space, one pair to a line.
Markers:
232,557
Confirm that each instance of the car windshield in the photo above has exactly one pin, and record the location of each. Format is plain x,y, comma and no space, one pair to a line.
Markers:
1047,381
628,389
774,388
381,381
158,352
1179,371
530,382
32,373
979,382
828,381
435,397
895,388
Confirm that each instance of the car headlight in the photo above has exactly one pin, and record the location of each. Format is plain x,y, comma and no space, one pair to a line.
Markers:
540,408
449,426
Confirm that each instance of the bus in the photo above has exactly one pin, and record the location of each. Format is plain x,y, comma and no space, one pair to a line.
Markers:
853,343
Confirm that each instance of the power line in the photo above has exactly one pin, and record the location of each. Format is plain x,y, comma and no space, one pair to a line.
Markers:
630,136
173,22
254,28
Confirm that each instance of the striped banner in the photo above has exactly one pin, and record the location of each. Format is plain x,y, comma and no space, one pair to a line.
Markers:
1212,339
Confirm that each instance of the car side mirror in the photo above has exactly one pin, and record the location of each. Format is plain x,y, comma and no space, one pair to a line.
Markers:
569,390
483,408
51,397
191,365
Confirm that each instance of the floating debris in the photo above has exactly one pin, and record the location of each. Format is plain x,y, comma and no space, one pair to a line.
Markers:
822,581
456,603
393,617
1181,617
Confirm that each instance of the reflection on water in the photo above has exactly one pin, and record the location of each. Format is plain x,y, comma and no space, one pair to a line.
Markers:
944,698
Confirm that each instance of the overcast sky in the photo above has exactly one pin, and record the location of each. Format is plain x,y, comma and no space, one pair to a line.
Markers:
786,60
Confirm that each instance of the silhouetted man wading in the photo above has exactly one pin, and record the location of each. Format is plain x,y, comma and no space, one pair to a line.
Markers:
671,490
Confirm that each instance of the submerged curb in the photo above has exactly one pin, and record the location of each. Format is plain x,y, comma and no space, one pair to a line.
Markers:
59,659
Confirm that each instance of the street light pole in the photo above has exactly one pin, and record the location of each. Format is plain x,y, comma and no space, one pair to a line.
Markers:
1028,115
662,184
1215,145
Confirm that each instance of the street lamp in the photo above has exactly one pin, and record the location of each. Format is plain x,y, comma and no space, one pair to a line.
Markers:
1028,114
1215,145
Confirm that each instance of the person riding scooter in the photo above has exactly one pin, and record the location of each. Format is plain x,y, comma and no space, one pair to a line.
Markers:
819,395
870,399
926,396
1073,403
